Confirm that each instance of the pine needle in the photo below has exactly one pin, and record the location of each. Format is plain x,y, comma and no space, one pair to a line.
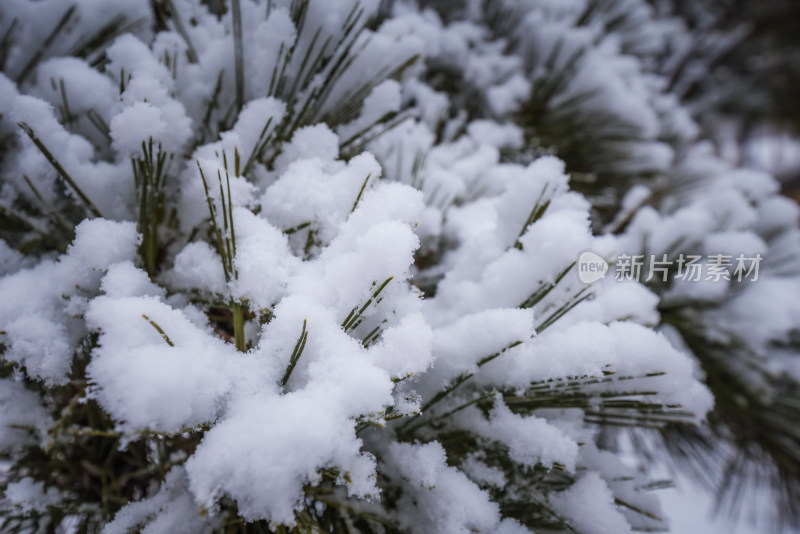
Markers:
59,169
295,356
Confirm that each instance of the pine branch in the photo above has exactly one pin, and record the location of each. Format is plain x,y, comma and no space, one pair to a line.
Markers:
59,169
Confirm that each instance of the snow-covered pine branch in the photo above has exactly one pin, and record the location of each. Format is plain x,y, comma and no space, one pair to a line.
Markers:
310,265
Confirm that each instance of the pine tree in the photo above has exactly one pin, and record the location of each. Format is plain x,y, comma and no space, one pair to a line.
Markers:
310,266
617,129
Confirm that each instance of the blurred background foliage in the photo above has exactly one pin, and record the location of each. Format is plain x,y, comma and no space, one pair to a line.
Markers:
743,66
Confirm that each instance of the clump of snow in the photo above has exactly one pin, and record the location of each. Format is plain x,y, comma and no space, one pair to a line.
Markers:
21,408
41,305
147,110
530,440
588,503
139,369
441,498
31,496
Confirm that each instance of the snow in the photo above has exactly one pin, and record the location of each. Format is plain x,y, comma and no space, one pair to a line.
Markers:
481,473
459,345
199,266
263,261
584,504
139,370
239,454
85,87
530,440
30,495
317,141
136,125
21,407
171,509
442,499
320,193
147,109
383,101
256,122
41,328
404,349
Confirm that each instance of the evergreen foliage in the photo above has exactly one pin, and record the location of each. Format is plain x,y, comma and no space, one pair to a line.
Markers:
310,266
